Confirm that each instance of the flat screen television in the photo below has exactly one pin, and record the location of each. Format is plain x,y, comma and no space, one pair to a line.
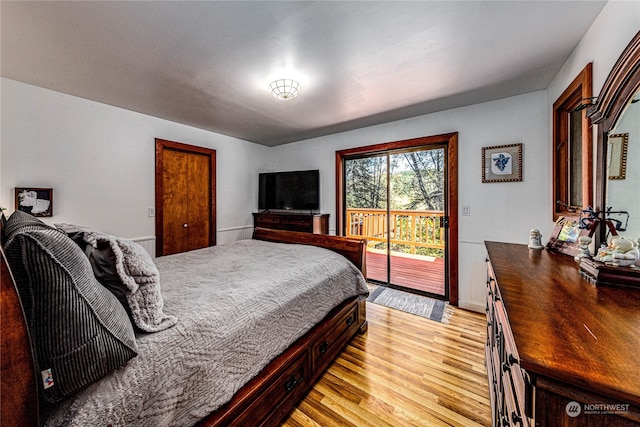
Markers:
295,190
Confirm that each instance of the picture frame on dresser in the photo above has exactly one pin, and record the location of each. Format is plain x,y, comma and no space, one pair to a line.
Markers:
565,234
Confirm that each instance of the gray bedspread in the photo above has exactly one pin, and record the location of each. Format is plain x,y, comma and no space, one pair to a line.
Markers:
238,306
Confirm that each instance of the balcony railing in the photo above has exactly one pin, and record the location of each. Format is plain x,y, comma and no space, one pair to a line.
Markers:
416,229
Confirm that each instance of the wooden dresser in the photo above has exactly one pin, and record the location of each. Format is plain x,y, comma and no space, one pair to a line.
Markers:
560,351
308,223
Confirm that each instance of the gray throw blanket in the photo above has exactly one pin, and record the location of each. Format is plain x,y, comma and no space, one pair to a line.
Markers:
138,275
142,280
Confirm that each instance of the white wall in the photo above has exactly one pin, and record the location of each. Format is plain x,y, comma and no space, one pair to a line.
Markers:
100,161
609,34
499,211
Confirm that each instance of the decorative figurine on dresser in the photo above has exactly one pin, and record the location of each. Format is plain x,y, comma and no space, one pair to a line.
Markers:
620,252
535,239
615,264
583,244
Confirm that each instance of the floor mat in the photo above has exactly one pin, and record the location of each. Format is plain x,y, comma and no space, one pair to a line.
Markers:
419,305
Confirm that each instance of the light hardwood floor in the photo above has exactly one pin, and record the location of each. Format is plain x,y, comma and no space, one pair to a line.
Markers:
405,371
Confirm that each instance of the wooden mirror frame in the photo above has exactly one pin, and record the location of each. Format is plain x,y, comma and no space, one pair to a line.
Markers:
621,85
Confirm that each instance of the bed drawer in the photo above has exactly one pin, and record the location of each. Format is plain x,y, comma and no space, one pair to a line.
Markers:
326,348
290,385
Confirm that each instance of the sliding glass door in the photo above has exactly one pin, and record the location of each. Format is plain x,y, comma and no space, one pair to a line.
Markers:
366,194
396,199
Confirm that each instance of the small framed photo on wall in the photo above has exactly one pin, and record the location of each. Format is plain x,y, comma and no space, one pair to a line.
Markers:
502,163
35,201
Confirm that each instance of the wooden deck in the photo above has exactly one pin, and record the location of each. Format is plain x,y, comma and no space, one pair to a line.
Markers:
420,273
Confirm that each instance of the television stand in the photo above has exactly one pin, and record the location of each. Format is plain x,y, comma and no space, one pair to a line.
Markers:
308,223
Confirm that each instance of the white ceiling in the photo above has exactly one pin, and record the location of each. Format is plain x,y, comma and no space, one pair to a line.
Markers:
209,64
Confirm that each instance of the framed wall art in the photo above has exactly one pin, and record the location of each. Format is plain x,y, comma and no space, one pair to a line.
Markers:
502,163
617,155
36,201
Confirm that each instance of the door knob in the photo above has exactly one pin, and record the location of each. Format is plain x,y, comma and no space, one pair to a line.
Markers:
185,225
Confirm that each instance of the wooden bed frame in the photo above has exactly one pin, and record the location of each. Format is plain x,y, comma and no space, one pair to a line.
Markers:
264,401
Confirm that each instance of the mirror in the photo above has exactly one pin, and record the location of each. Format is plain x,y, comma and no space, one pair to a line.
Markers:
623,171
617,117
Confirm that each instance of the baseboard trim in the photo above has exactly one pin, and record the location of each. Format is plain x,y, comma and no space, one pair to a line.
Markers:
472,306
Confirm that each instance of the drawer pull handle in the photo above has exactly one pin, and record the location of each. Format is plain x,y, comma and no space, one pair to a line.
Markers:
324,347
511,360
350,320
292,383
517,419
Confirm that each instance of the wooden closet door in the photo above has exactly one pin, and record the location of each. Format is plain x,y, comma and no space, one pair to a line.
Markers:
175,202
185,197
198,201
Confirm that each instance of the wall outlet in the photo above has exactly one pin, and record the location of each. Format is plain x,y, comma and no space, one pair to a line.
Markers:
466,210
151,211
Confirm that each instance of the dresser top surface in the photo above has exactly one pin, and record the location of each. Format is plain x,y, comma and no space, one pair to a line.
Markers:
566,328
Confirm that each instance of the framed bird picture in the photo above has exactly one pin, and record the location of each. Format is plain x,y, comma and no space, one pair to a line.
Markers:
502,163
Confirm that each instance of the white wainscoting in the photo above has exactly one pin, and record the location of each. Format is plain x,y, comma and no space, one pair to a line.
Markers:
148,243
231,234
225,235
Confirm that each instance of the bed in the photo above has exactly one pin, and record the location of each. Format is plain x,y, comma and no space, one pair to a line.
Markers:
237,335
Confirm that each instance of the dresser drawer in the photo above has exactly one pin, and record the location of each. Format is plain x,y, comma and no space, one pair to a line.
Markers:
268,219
329,345
510,359
509,344
295,220
512,411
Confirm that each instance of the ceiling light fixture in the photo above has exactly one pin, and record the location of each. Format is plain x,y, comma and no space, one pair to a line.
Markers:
285,89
